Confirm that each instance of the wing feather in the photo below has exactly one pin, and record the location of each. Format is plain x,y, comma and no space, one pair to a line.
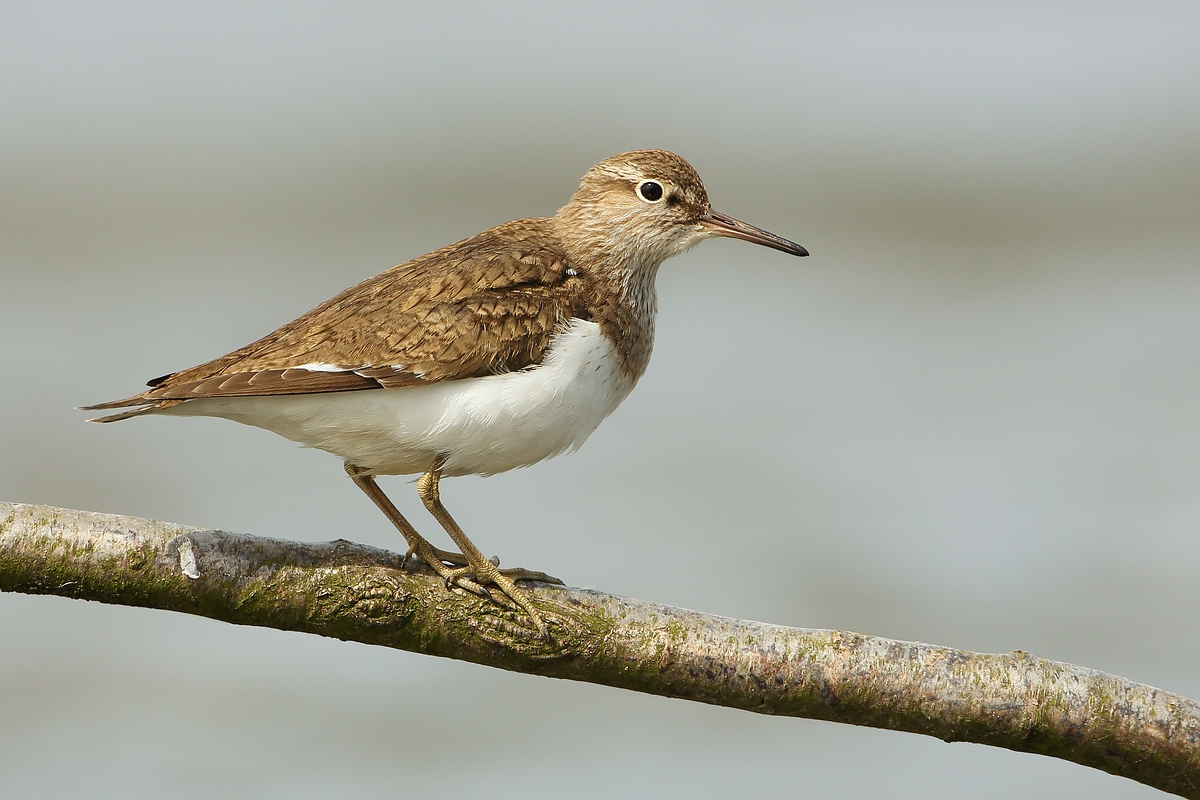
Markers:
488,304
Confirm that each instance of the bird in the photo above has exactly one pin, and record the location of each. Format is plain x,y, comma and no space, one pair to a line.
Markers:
493,353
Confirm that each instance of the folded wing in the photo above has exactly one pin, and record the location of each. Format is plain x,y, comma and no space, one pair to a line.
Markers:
488,304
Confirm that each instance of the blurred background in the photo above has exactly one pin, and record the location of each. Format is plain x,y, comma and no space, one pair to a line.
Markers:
970,418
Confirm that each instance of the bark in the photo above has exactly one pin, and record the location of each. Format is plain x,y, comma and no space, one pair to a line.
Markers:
353,592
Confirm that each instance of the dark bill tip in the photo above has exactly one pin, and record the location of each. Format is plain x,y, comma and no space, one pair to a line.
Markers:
725,225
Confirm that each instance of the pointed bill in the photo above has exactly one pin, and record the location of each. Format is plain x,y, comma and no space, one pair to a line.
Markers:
724,225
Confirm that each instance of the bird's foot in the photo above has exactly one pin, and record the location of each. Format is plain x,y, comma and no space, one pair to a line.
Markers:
487,573
459,560
522,574
436,559
437,554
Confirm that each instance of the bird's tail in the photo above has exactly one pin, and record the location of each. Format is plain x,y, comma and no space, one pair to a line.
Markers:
145,404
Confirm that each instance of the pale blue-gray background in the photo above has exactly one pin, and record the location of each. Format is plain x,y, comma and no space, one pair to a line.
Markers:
971,418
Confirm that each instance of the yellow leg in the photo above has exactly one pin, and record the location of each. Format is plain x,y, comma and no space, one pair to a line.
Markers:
416,542
478,568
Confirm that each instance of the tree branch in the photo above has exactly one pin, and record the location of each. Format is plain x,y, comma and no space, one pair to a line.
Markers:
359,593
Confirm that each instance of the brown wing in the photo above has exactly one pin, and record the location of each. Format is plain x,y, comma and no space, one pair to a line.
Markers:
487,304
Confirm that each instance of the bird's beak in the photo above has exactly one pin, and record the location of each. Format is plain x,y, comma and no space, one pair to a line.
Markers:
724,225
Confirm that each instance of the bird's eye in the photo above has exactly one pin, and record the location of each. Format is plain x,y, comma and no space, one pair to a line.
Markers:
650,191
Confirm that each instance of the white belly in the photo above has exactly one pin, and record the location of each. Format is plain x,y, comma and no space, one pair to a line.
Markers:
486,425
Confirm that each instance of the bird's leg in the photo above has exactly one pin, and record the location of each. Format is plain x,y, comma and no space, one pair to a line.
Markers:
478,568
427,488
417,544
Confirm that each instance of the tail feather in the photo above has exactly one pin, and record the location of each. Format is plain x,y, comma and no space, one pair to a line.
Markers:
133,412
136,400
146,407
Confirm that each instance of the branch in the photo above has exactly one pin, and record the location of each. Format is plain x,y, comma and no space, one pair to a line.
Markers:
353,592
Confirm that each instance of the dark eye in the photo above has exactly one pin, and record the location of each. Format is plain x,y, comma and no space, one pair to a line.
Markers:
650,191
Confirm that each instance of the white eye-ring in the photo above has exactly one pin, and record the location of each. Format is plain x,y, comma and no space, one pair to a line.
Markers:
650,191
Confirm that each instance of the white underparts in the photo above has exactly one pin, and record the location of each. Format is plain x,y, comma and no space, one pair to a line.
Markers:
486,425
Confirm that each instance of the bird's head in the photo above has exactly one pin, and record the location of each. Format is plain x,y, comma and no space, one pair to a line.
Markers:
639,208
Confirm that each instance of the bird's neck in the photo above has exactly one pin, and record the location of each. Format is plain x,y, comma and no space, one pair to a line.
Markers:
624,301
626,315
